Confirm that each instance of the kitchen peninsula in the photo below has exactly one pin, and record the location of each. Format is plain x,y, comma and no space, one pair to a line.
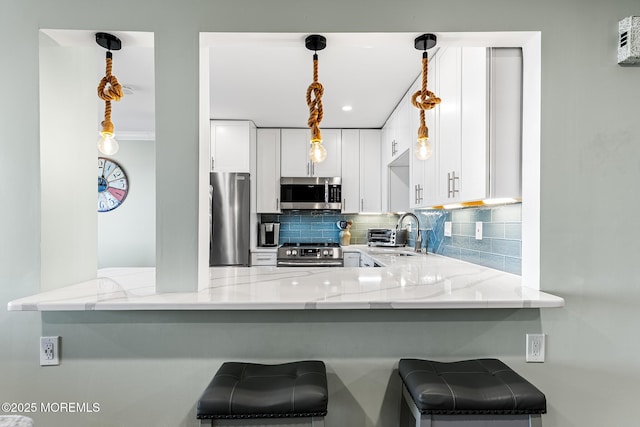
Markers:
404,280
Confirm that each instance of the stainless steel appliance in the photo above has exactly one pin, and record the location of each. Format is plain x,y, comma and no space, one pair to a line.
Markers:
269,234
229,223
310,255
386,237
311,193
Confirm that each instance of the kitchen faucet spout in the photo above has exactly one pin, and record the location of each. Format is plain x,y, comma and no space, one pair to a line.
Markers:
418,240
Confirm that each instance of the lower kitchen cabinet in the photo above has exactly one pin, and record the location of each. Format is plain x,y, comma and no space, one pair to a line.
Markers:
264,258
367,261
351,259
361,171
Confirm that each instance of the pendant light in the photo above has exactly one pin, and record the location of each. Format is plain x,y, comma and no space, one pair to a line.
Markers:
108,90
317,153
428,99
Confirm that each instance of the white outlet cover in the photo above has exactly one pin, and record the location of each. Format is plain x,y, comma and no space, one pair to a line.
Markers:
479,230
535,348
447,228
49,351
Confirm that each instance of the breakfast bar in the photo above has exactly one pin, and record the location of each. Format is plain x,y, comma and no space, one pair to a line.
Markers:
404,280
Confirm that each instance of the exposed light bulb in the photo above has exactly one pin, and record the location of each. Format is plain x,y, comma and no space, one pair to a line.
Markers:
423,149
317,153
107,144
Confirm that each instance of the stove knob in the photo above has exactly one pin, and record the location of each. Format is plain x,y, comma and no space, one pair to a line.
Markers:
288,252
294,252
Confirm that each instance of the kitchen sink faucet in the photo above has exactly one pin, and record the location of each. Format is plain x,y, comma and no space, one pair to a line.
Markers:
418,241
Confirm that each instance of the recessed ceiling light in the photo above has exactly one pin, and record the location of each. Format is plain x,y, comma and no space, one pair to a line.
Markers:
347,108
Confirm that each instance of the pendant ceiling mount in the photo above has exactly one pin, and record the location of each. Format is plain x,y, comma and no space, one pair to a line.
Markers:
425,41
315,42
108,41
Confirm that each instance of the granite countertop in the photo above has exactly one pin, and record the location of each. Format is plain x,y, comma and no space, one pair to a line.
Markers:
404,282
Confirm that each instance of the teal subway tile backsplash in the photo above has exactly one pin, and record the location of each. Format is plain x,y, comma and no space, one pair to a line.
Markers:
499,248
321,227
501,243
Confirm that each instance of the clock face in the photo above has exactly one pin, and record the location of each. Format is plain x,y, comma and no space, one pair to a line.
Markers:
113,185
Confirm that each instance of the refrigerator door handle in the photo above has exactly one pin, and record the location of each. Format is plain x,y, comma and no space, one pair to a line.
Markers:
210,217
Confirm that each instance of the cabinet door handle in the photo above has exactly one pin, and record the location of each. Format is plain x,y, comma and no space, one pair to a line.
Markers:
361,205
212,163
277,204
308,169
453,183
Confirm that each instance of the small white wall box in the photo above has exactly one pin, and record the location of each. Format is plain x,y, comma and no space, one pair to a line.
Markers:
629,40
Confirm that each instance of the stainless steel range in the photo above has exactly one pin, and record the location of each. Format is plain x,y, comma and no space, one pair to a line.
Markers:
310,255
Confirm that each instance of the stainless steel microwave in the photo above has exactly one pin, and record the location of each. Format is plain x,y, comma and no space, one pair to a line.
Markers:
311,193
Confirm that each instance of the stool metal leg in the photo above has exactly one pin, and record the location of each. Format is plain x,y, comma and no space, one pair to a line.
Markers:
535,420
410,415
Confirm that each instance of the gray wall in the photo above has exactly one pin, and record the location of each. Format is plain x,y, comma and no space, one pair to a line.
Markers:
149,368
127,235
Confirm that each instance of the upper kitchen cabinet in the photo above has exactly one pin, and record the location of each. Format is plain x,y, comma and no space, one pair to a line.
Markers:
505,123
476,130
361,171
423,188
294,154
231,142
268,171
395,134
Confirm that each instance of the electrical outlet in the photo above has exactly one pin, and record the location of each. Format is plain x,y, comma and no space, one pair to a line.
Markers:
479,230
49,351
447,228
535,347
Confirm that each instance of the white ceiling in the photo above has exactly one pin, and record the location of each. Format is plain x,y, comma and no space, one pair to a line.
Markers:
264,76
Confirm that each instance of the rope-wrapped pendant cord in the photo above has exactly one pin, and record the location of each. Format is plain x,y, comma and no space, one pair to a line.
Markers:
314,101
428,99
109,90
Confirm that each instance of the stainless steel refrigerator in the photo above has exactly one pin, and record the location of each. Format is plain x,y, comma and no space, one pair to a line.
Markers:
229,218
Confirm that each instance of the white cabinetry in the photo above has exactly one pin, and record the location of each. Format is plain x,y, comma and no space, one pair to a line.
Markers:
295,154
351,259
476,129
366,261
361,171
230,145
396,138
422,179
264,258
268,171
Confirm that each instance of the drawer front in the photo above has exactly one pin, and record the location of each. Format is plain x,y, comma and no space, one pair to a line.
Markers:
263,258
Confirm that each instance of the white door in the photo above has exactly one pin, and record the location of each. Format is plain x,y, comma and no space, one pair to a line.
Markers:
230,141
268,171
350,171
370,171
294,148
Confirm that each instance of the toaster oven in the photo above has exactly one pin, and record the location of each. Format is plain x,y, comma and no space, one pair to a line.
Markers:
386,237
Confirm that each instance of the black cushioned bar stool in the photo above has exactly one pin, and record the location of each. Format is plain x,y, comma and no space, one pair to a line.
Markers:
251,394
470,393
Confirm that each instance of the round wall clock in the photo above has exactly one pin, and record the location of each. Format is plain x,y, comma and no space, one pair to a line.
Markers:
113,185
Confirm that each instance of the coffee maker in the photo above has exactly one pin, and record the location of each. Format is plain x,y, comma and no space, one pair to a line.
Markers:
269,234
